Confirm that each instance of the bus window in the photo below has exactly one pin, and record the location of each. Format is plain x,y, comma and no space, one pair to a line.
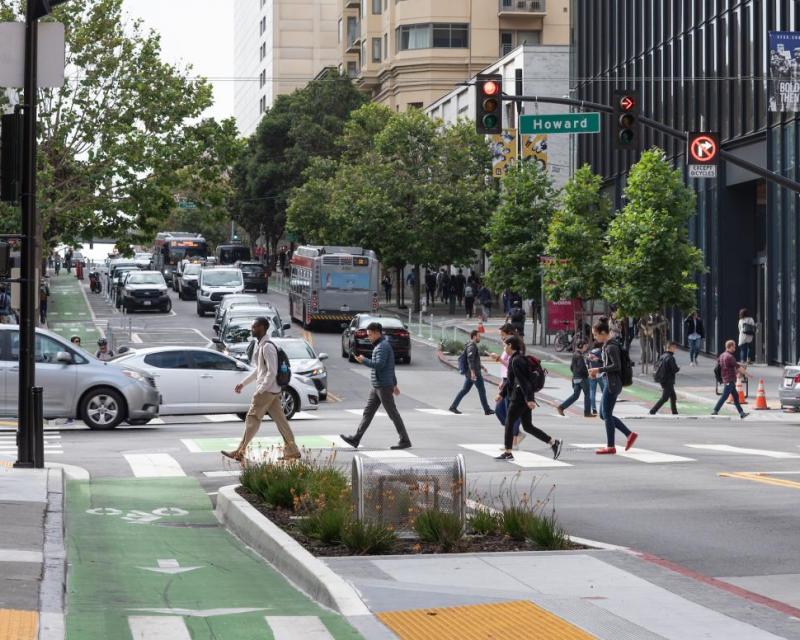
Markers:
346,280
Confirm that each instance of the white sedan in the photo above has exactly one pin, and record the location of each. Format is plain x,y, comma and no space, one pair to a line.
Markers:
197,381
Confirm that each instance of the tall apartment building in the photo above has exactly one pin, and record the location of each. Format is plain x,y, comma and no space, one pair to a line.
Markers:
280,45
409,53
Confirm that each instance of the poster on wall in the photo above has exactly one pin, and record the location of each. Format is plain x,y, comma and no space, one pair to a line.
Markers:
784,71
504,151
534,149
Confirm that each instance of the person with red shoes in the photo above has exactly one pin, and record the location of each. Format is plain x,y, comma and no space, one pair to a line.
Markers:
612,368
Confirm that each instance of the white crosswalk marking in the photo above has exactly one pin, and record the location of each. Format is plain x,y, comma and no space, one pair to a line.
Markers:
158,628
222,474
52,444
358,412
641,455
441,412
388,454
222,417
753,452
293,627
524,459
154,465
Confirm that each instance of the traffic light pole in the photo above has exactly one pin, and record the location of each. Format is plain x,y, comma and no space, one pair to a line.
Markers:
768,175
26,444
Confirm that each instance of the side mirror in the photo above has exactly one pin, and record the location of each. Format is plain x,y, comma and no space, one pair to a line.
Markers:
64,357
323,356
215,328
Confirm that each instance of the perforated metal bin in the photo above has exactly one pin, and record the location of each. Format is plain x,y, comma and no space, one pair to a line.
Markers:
393,491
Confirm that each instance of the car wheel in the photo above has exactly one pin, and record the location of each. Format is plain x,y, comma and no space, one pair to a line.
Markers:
138,422
200,311
290,403
241,416
180,294
102,408
344,351
167,307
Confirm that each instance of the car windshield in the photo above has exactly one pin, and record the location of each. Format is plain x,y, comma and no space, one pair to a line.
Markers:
143,256
192,269
214,278
252,268
386,323
238,333
146,278
297,350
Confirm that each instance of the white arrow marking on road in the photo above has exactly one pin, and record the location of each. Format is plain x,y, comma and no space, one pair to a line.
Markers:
170,566
140,517
201,613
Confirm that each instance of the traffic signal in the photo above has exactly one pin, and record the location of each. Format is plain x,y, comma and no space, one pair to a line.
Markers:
489,104
10,157
42,8
626,115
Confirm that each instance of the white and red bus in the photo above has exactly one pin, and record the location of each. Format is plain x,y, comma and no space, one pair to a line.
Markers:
332,284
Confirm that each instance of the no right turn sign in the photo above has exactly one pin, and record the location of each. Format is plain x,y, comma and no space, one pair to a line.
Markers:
702,154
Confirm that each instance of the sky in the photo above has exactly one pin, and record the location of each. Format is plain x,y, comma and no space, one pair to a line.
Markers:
198,32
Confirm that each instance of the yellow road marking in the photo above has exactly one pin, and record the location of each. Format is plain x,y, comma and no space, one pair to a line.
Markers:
763,478
517,620
332,397
18,625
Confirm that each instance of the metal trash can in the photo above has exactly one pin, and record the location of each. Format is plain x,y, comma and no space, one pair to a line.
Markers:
394,491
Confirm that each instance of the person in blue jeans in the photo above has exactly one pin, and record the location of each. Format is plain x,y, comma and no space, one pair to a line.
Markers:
472,375
580,381
695,332
729,370
501,403
595,360
612,368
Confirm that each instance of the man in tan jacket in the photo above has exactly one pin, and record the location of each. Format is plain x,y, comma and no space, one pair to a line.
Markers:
267,397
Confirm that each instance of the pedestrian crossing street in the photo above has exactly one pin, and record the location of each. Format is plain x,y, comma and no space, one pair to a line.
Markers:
173,627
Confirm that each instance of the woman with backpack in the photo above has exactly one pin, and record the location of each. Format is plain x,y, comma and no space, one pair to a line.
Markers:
747,333
614,370
520,391
501,403
469,298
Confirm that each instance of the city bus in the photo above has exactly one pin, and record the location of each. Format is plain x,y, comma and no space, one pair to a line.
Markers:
332,284
173,246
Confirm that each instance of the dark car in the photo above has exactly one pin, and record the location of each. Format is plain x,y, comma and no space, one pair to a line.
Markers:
356,343
254,274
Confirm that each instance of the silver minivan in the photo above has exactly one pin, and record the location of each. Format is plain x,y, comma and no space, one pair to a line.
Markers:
216,283
76,384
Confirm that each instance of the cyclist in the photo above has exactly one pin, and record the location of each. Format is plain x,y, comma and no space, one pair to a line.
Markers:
103,353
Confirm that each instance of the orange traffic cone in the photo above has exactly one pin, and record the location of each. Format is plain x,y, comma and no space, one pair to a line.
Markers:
740,392
761,397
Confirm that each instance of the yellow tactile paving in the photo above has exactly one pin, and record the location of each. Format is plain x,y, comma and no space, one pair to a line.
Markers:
518,620
763,478
18,625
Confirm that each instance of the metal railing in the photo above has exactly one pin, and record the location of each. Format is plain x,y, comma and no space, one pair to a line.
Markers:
523,6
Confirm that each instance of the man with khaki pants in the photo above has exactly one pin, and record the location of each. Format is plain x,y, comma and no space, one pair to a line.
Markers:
267,398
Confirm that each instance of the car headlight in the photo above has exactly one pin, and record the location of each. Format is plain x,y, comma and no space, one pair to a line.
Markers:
204,292
162,289
313,372
134,375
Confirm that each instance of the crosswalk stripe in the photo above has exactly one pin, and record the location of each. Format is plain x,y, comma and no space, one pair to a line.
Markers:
156,421
222,474
641,455
158,628
440,412
524,459
389,453
753,452
358,412
192,446
154,465
222,417
292,627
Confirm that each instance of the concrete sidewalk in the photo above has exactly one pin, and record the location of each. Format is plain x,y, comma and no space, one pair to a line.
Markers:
31,552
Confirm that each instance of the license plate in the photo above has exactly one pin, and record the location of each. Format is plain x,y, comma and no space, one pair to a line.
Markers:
344,308
147,303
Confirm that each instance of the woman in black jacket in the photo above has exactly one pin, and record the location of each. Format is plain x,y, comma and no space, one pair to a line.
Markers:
580,381
519,391
612,368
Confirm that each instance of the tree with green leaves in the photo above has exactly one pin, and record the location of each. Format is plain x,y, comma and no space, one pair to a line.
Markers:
517,230
118,139
650,264
576,240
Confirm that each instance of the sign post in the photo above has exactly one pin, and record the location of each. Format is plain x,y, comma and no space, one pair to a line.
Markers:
702,154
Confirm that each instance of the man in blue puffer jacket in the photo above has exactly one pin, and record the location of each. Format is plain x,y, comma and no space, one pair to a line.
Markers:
384,388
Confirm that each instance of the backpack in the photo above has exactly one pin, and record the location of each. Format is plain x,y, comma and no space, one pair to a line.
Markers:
537,373
718,372
463,366
660,370
468,293
284,374
626,368
517,315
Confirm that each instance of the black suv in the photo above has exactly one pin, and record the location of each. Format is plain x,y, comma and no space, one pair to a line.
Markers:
356,343
255,276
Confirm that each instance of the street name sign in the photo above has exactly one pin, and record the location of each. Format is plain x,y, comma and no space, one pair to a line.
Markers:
702,154
50,69
560,123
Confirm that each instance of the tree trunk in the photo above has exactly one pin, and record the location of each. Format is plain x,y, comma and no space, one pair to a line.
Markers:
415,305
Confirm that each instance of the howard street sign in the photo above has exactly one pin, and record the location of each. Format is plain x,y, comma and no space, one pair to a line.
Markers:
560,123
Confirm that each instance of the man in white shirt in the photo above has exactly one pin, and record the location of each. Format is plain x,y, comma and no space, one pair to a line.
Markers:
267,397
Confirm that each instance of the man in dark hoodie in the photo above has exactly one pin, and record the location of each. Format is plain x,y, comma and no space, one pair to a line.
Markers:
580,381
664,374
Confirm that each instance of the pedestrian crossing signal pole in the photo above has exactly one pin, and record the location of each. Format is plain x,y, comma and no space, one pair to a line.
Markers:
29,437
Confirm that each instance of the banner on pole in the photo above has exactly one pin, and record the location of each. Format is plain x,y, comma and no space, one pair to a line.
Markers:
784,71
504,152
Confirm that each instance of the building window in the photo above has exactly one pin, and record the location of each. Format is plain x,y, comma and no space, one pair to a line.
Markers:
339,31
262,105
436,35
352,30
263,2
263,25
376,49
376,7
385,45
506,42
529,37
352,69
263,50
414,105
263,78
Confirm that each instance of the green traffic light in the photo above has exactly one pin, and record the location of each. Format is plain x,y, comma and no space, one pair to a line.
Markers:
490,121
626,137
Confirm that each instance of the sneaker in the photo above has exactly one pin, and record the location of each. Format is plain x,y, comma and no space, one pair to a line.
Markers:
714,413
488,412
631,440
351,440
560,411
454,410
651,412
506,455
556,447
594,413
743,415
590,415
401,445
606,451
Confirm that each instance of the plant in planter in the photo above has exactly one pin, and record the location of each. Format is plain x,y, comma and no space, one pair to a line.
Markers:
439,527
484,522
367,538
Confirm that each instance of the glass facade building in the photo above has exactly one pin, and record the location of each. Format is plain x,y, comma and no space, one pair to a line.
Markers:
701,65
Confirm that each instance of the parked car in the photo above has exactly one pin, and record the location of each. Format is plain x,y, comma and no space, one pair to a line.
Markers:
355,341
304,361
789,391
76,384
189,281
145,290
214,284
201,381
255,276
249,313
233,299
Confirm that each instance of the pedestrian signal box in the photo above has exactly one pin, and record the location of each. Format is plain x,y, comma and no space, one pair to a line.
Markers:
626,116
489,104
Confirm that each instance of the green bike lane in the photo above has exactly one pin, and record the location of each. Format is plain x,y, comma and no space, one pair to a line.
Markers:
68,313
148,560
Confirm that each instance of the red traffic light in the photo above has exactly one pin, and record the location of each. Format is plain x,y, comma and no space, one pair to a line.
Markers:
491,88
627,103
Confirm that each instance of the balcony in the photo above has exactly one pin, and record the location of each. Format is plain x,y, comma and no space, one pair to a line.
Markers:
352,4
522,7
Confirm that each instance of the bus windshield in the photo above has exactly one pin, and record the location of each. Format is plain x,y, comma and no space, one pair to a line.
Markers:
344,280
